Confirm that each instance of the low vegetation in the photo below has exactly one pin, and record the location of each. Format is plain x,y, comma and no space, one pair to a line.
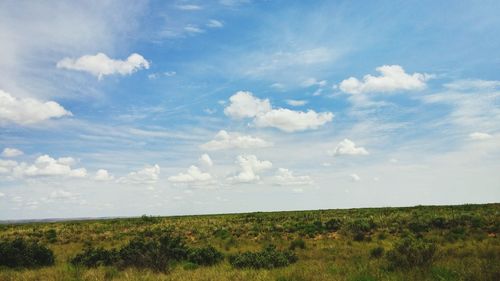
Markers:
268,258
19,253
418,243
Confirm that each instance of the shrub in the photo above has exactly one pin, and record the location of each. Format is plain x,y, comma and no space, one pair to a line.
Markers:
267,258
222,233
297,243
411,252
377,252
51,235
205,256
418,227
19,253
93,257
153,254
142,254
439,222
359,228
156,254
333,224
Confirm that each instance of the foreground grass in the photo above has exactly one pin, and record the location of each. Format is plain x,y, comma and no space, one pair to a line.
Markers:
467,245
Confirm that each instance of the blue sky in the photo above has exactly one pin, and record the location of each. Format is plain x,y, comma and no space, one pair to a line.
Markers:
113,108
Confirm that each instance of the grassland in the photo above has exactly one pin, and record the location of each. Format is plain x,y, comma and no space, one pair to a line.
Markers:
354,244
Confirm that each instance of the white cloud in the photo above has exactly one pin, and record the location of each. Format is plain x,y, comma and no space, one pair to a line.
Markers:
193,175
480,136
475,104
47,166
392,78
25,111
189,7
354,177
62,194
245,105
157,75
278,86
103,175
287,177
472,84
296,102
291,121
191,28
206,160
250,167
11,152
347,147
2,194
100,64
7,166
147,175
313,82
228,140
215,23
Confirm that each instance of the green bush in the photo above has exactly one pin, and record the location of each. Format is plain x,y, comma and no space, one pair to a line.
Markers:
51,235
360,228
19,253
205,256
154,254
93,257
411,252
267,258
297,243
333,224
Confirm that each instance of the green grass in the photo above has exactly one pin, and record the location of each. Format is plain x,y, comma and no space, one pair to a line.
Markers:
465,239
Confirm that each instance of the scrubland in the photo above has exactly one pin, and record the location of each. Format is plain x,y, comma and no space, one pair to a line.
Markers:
416,243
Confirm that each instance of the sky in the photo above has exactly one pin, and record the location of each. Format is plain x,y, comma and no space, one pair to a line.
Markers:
124,108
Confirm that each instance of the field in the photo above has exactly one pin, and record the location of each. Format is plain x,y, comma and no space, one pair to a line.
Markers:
416,243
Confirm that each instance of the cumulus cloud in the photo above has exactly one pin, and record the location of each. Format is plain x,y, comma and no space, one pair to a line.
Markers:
480,136
206,160
193,175
392,78
7,166
46,166
286,177
100,64
11,152
296,102
147,175
228,140
348,147
291,121
250,167
103,175
215,23
245,105
25,111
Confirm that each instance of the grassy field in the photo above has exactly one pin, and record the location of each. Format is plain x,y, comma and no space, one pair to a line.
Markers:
442,243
